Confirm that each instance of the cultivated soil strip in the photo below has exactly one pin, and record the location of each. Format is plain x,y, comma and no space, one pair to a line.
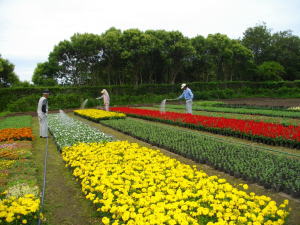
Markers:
277,196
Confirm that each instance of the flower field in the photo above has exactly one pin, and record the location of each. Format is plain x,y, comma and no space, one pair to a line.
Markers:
97,114
268,133
68,131
268,169
16,134
19,194
265,112
130,184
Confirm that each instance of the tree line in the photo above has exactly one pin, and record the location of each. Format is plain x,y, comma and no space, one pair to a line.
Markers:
135,57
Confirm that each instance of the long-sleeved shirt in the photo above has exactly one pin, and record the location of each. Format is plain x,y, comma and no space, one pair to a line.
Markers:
187,94
42,106
105,98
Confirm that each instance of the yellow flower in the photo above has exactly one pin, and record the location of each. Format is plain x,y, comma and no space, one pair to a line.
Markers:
105,220
138,185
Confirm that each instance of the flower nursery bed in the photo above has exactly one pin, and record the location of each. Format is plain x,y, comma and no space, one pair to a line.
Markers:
267,133
97,114
68,131
286,121
272,171
19,193
130,184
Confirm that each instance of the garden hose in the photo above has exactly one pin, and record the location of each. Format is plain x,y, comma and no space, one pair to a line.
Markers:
44,182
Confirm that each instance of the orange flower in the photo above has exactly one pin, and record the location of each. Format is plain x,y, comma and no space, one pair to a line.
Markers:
15,134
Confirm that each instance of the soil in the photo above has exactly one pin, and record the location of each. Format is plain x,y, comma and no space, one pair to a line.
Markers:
270,102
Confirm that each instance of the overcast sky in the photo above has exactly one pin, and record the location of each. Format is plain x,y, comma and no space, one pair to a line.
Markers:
29,29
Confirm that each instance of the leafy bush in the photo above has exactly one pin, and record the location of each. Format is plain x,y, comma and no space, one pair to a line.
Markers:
270,71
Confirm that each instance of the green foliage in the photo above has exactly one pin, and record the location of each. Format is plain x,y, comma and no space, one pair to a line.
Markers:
8,77
241,110
275,171
270,71
26,99
16,122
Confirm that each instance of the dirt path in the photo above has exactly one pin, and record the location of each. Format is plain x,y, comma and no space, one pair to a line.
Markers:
64,201
278,197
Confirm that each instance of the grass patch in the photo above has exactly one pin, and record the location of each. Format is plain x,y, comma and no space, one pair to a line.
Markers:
16,122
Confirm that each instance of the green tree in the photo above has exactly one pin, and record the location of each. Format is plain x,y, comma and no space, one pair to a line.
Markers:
8,77
112,60
136,47
258,39
75,61
285,49
270,71
242,65
43,75
179,54
219,54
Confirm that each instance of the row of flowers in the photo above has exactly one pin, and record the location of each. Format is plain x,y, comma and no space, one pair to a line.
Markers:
130,184
16,134
97,114
67,131
19,194
268,133
248,162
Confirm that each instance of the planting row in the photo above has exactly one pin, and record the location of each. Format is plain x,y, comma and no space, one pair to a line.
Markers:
97,114
286,121
267,133
264,112
19,193
68,131
270,170
130,184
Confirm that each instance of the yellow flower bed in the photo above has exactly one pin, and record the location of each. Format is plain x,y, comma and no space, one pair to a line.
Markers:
97,114
22,210
130,184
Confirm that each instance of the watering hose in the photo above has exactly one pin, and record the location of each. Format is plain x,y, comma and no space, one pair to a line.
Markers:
44,182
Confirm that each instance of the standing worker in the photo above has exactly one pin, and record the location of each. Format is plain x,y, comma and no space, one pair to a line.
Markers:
188,96
105,97
42,111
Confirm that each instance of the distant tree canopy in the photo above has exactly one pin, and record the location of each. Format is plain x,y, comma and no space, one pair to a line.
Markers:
159,56
8,77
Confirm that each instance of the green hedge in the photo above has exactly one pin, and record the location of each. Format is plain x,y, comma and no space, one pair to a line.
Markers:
25,99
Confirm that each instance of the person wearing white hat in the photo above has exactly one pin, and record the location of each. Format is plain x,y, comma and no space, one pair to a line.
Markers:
105,97
42,111
188,96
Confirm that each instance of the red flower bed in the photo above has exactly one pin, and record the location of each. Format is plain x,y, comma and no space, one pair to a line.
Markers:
248,127
15,134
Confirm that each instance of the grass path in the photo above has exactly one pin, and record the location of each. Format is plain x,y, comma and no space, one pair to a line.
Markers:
279,197
64,201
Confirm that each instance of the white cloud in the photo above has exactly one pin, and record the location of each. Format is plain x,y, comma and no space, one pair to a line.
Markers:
31,28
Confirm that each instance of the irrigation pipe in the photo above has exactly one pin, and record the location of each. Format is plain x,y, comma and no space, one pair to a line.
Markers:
44,182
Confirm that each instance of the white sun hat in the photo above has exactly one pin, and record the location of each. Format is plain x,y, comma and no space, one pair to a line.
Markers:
183,85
